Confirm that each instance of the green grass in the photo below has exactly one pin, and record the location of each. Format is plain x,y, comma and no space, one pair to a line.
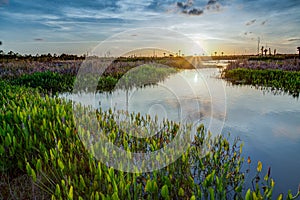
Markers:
54,82
287,81
46,81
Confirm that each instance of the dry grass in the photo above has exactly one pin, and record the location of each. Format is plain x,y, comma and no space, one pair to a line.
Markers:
21,187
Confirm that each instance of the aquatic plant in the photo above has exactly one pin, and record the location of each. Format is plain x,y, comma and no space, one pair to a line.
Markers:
39,140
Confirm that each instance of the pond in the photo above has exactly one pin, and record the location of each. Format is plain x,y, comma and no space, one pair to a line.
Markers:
268,124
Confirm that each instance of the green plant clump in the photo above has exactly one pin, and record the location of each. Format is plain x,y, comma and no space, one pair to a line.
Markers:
287,81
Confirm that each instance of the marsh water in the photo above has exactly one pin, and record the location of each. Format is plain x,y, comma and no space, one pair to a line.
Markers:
268,124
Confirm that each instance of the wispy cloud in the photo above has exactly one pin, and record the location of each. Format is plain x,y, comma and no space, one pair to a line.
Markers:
3,2
293,39
38,39
264,22
251,22
248,33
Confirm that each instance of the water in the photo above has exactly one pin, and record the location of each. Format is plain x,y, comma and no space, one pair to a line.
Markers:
268,124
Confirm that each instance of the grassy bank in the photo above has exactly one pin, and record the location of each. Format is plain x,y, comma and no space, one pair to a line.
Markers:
283,76
55,82
42,156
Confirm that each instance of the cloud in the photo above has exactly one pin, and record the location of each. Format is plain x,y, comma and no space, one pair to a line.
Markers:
293,39
189,8
251,22
212,2
38,39
247,33
194,11
3,2
213,5
264,22
185,5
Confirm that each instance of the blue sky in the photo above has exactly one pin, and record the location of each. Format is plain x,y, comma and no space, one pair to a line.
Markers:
77,26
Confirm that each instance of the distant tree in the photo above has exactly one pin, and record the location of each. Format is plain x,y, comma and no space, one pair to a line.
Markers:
216,53
298,48
222,53
11,54
274,52
164,54
270,53
262,50
179,52
266,50
0,42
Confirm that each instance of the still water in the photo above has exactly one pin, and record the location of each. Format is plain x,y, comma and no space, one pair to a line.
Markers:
268,124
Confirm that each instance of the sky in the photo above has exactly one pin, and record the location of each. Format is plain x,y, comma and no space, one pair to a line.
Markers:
79,26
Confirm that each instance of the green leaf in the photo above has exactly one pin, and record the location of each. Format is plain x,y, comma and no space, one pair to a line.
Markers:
38,165
181,192
2,150
280,197
248,195
82,183
33,175
61,164
97,197
70,194
148,187
115,196
57,190
193,197
211,193
28,168
165,192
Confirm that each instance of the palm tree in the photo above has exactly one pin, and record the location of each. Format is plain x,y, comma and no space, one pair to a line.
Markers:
215,53
262,50
298,48
222,53
164,54
270,53
274,52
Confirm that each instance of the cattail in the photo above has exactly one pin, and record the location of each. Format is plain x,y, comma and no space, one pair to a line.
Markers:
249,160
269,171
